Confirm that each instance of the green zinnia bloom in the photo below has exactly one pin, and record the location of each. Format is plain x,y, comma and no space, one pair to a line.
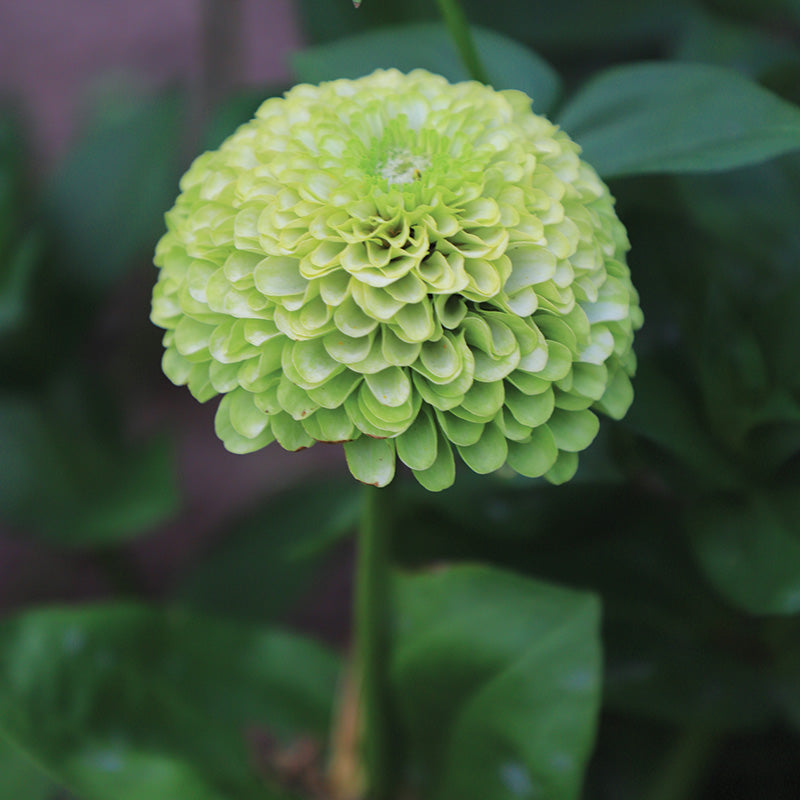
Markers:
407,266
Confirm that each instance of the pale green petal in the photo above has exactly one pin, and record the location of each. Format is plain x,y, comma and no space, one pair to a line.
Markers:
564,469
484,399
417,446
459,431
532,410
289,433
329,425
371,461
294,400
530,264
536,456
488,453
618,396
348,349
279,276
390,387
442,473
573,430
234,441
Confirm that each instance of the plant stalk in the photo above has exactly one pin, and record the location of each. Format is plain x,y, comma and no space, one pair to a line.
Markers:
457,24
684,766
372,624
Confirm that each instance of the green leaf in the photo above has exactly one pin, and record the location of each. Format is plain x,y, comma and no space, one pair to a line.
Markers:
668,117
712,40
749,548
266,561
20,778
126,701
17,273
63,477
663,413
428,46
499,678
105,205
371,460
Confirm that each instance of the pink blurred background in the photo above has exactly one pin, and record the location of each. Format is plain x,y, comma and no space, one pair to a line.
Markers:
54,52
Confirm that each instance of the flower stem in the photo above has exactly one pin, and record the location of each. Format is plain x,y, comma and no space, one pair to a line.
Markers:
372,618
685,764
457,24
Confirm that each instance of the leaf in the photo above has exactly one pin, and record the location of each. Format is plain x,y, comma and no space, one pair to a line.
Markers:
126,701
749,548
499,681
17,273
745,48
675,652
65,478
669,117
428,46
265,563
20,778
105,204
663,414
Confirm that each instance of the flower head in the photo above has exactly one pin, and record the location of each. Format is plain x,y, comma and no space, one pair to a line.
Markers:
407,266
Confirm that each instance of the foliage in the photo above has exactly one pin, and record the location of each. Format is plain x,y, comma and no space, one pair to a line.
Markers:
632,634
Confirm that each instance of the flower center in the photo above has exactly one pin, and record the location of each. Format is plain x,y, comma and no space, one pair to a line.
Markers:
402,166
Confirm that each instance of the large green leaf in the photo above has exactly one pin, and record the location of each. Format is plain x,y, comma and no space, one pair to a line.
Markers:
62,476
105,204
498,682
664,414
749,547
20,778
266,561
128,702
669,117
428,45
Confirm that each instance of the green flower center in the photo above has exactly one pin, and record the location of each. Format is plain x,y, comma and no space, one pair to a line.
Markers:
403,166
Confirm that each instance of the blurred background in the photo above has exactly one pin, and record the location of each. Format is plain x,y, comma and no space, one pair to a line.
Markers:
685,518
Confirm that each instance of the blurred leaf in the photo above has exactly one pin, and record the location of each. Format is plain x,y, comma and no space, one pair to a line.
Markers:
767,196
749,547
128,702
667,117
787,647
675,652
267,561
499,678
664,414
71,483
20,779
616,24
105,205
744,48
428,45
17,273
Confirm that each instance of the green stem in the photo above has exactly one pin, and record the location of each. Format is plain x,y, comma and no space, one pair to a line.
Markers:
685,765
372,617
457,24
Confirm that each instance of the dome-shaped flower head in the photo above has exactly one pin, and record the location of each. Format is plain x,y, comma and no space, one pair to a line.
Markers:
408,266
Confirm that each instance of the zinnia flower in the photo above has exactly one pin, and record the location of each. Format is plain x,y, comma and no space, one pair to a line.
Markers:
407,266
